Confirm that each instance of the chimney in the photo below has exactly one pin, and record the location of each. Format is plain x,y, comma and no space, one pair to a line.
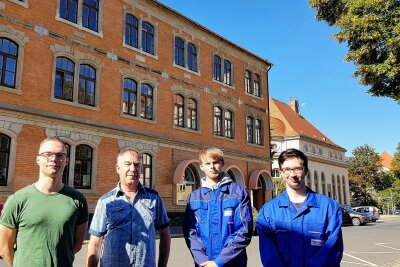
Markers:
294,104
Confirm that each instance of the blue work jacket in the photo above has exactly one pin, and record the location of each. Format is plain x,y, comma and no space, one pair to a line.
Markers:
218,224
311,236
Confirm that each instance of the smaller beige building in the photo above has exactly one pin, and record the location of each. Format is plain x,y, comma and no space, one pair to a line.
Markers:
328,173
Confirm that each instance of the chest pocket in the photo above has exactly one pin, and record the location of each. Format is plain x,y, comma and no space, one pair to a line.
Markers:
228,214
147,210
200,209
316,234
118,213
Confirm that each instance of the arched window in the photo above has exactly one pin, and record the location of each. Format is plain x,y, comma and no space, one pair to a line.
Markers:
308,180
191,179
227,72
179,108
83,167
228,124
147,38
66,169
217,68
64,80
69,10
247,82
192,114
218,121
316,182
90,14
249,129
146,172
179,52
87,85
257,132
323,184
131,30
130,97
146,102
5,143
257,85
8,62
192,57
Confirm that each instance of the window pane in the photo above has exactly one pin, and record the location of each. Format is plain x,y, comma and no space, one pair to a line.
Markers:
8,62
5,142
179,52
217,121
87,81
192,57
147,38
131,31
146,102
217,68
83,167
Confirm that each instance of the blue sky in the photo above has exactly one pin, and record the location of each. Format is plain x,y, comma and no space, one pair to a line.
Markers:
308,64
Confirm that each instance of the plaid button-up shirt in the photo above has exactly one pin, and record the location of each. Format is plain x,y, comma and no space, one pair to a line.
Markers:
129,228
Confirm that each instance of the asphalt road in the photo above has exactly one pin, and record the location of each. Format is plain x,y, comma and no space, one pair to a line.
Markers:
374,244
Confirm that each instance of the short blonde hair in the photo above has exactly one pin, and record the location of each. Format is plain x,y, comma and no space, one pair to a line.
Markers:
212,153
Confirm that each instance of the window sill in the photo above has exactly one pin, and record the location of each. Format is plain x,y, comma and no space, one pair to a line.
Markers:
186,69
123,115
138,50
80,27
74,104
16,90
224,84
186,129
23,4
225,138
254,96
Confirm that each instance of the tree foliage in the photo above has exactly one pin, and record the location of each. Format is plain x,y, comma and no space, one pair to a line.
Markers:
364,165
364,172
371,29
395,168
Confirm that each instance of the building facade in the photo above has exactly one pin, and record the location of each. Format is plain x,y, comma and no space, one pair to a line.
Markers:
328,172
103,75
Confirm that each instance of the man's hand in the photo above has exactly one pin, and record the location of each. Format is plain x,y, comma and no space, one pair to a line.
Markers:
209,264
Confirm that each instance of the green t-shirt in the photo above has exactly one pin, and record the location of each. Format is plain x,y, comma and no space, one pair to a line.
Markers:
45,225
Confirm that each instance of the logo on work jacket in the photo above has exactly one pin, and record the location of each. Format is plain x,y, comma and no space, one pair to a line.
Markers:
228,213
317,242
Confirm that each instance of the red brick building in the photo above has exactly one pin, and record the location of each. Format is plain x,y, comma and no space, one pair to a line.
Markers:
103,75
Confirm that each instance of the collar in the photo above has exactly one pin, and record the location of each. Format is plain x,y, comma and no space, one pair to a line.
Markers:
119,192
310,201
221,186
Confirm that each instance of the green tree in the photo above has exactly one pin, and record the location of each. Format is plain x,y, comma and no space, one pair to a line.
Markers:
384,180
364,170
395,168
371,29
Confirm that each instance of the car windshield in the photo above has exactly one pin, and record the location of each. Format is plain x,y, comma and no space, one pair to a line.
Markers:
347,208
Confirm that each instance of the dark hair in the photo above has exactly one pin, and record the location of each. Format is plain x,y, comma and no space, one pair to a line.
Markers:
293,153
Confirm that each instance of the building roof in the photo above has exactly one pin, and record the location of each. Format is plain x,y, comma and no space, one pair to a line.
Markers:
386,160
285,121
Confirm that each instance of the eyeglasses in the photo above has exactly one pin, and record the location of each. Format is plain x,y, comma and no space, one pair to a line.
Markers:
49,155
296,170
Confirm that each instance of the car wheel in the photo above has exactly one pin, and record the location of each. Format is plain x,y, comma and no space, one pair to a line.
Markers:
356,221
373,220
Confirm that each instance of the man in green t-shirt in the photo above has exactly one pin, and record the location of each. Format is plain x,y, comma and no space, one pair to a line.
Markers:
44,224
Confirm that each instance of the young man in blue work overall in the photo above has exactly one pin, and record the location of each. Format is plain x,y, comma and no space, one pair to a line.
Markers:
218,221
299,227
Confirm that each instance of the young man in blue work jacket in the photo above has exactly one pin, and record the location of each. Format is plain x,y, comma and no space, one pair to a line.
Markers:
218,221
299,227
